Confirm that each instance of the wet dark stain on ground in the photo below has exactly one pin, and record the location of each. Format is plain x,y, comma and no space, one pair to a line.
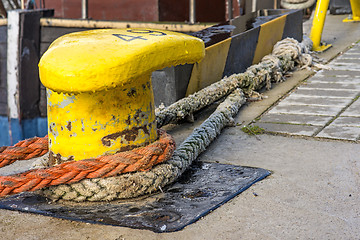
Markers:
203,188
197,194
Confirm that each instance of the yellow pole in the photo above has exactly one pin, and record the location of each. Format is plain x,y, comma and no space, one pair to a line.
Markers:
355,8
318,25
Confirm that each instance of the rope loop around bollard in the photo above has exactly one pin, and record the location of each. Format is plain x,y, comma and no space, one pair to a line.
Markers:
139,183
288,52
139,159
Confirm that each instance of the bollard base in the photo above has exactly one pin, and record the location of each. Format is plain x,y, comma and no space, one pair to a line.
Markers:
201,189
352,19
321,48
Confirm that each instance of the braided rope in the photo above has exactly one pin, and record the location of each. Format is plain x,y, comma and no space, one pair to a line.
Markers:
142,183
139,159
297,4
285,54
270,69
23,150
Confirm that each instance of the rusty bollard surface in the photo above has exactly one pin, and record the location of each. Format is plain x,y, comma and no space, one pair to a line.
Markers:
100,98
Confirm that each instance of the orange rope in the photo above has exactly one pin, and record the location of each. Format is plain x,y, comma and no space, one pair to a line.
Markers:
23,150
139,159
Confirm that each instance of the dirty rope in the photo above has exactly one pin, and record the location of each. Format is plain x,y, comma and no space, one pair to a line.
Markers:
142,183
139,159
297,4
286,54
23,150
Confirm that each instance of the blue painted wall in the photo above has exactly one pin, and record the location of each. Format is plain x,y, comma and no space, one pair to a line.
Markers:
16,131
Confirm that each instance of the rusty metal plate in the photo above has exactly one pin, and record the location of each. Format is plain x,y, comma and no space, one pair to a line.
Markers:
201,189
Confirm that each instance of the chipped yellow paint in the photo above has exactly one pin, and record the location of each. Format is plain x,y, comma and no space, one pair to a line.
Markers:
270,33
211,68
92,124
100,98
103,59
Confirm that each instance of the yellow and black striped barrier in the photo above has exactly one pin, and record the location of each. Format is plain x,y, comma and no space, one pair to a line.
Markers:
242,49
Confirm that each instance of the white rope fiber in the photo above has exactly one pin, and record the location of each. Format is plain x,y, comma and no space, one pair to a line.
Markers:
286,54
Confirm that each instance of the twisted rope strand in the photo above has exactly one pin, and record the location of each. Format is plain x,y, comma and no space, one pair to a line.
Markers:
285,54
140,159
271,68
23,150
141,183
110,186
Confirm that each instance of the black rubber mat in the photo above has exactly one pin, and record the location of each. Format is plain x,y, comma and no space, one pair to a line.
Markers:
203,188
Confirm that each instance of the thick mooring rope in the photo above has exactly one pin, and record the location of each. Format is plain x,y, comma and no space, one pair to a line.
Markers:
141,183
23,150
297,4
139,159
285,55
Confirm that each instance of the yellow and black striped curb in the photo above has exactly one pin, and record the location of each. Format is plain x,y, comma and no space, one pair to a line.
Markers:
242,49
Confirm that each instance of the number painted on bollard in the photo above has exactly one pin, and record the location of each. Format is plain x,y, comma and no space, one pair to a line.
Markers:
129,38
151,32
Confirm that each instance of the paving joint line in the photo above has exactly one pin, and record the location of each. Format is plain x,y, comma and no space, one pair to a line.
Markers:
282,134
337,76
296,124
285,95
304,104
299,95
328,89
321,81
300,83
335,117
305,114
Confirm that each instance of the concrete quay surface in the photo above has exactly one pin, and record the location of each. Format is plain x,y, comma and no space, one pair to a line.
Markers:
325,105
313,152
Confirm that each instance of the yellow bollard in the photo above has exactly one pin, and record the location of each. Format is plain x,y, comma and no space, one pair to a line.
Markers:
318,25
355,8
100,98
